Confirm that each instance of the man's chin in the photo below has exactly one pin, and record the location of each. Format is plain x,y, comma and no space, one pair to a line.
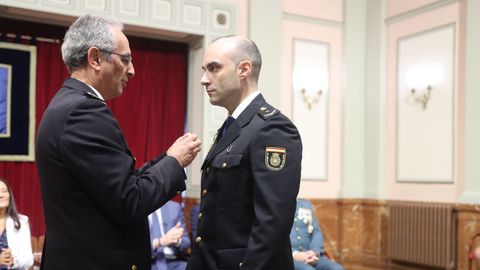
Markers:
213,101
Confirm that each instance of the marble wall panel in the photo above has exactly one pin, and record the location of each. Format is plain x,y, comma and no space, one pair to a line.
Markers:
468,227
356,230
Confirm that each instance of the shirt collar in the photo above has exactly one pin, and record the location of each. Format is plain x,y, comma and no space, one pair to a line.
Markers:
244,104
96,92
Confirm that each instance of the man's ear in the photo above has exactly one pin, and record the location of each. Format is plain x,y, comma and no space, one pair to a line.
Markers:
244,69
93,58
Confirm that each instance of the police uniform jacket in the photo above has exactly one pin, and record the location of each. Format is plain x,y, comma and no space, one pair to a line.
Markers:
95,202
306,234
249,185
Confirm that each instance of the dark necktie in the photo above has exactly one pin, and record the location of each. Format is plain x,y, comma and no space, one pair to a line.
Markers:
227,124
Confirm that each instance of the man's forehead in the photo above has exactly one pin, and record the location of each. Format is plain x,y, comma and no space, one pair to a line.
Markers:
213,55
224,43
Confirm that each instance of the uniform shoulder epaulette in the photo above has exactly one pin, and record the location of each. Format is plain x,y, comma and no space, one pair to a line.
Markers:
90,95
267,111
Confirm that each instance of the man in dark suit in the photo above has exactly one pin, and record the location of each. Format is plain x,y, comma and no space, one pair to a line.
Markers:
169,237
95,202
251,175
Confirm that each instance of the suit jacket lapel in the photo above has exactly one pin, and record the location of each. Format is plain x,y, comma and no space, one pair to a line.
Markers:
234,130
84,88
80,86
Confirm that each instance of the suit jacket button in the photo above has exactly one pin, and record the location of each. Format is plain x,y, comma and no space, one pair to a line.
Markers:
240,265
200,215
224,165
204,192
207,170
134,267
198,239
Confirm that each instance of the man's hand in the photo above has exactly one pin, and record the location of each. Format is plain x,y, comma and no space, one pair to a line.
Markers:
185,149
312,257
308,257
173,236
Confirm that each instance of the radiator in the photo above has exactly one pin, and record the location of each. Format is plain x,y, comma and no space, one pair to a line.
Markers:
422,233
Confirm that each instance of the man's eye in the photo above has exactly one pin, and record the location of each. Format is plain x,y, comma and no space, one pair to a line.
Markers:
126,60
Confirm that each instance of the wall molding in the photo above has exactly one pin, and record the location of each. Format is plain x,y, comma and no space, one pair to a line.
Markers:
418,11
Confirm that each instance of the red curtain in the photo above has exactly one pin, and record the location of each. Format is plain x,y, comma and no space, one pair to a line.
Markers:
151,112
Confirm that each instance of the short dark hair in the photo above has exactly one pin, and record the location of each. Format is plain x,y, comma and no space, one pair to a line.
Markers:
247,50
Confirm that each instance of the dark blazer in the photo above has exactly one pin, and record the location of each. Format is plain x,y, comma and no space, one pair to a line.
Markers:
250,182
95,202
172,213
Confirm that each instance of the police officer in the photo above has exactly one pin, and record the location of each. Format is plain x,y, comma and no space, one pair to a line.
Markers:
307,241
251,174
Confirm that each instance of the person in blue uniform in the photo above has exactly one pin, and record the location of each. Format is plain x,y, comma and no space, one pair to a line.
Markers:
169,237
307,241
251,175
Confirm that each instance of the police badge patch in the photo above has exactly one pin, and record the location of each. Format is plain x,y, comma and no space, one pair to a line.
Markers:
275,158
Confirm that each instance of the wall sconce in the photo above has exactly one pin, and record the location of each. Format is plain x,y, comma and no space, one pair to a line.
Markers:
420,79
310,74
310,99
422,98
307,81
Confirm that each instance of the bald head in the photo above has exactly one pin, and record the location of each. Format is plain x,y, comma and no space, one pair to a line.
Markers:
241,48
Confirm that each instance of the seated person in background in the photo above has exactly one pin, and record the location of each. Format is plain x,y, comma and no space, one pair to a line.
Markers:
15,244
168,237
307,241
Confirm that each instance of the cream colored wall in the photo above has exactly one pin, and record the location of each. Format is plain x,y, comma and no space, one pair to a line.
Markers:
428,188
362,36
397,7
365,150
471,185
324,186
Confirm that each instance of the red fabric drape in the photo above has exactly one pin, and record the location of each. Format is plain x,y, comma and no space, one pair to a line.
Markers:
22,176
151,112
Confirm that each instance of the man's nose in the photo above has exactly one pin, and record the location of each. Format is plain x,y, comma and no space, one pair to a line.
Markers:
204,80
130,70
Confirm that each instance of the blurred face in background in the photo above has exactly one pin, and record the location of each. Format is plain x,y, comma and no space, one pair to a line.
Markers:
4,196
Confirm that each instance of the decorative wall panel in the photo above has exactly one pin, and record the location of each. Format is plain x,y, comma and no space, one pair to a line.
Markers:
425,106
331,10
130,7
310,103
222,18
162,10
59,3
100,5
178,17
193,14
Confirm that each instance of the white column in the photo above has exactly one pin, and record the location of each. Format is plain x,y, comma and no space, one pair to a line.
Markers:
471,193
353,131
375,99
266,31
